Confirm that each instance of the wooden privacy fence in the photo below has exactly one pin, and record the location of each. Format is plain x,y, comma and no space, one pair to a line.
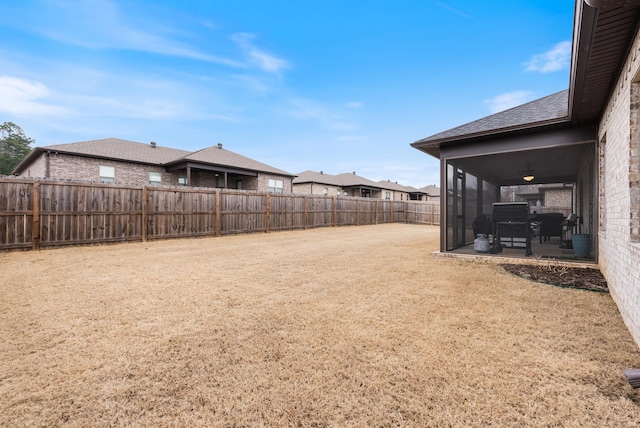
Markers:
36,214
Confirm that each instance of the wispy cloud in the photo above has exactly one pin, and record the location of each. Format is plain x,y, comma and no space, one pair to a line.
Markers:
258,57
507,100
354,104
21,97
452,9
101,24
555,59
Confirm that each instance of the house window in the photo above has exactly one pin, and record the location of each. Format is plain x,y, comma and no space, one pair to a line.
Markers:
326,191
107,174
338,192
387,195
182,181
276,186
155,178
239,184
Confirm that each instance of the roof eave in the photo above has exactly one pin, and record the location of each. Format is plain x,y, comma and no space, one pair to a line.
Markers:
432,146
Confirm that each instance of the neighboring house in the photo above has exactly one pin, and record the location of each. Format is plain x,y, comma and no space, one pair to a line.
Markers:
588,135
113,160
432,191
318,183
398,192
351,184
552,198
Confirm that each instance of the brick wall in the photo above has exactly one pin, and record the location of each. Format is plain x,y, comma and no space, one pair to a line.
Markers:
263,182
619,139
558,198
37,169
77,168
58,166
317,189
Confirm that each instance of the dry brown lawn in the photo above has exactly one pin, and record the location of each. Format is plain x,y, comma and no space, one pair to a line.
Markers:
355,326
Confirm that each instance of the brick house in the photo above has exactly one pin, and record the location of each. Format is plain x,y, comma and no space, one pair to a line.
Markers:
351,184
113,160
432,192
588,135
543,198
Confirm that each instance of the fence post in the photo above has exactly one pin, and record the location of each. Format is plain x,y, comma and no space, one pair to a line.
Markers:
218,215
406,208
145,212
35,222
335,211
305,201
267,227
376,213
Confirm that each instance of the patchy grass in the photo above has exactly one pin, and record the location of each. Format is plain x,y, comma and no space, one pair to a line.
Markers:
356,326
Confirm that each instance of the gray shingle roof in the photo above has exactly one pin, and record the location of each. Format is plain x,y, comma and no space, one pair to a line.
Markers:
431,190
551,107
348,179
216,155
316,177
131,151
392,185
115,148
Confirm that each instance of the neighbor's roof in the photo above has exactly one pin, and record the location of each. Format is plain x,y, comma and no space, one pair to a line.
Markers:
350,179
550,108
131,151
216,155
114,149
431,190
317,177
347,179
394,185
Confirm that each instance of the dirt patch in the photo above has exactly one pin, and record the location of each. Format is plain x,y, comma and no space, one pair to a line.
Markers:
354,326
563,276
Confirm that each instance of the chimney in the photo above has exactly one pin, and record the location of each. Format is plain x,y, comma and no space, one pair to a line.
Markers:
153,144
354,173
321,172
219,145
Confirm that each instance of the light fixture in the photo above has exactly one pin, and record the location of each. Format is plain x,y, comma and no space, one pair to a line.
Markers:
528,175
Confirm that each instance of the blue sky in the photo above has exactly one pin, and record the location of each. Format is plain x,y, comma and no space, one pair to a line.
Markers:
331,85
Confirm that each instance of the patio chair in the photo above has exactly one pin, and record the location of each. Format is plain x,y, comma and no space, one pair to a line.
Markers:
567,229
482,225
551,224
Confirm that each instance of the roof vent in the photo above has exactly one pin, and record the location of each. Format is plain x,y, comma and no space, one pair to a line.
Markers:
354,173
219,145
321,172
153,144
